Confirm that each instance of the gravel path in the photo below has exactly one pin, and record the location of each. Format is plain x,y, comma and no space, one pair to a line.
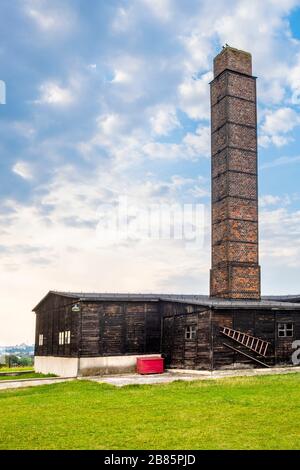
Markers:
186,375
22,383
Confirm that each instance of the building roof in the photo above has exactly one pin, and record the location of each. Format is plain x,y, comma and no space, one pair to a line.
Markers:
283,298
267,302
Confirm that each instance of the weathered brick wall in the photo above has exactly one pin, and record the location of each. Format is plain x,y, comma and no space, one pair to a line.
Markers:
235,271
237,184
238,230
233,59
231,109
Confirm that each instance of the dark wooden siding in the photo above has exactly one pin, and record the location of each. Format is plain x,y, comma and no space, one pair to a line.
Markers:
100,329
55,315
114,328
222,356
180,352
108,328
259,323
284,350
209,351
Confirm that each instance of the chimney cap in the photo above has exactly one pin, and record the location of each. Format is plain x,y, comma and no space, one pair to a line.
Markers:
233,59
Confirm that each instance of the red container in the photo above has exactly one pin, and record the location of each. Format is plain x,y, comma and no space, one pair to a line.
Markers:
150,365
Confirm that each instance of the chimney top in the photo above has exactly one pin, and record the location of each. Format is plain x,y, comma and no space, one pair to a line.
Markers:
233,59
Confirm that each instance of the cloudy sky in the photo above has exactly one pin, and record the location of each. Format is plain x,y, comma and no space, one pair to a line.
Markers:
109,99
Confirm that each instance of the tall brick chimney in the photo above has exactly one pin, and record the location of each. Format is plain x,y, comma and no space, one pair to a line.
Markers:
235,270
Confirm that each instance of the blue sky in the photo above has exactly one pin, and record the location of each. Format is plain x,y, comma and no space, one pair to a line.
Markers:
111,98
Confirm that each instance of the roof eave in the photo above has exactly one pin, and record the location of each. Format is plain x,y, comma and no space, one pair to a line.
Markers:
53,292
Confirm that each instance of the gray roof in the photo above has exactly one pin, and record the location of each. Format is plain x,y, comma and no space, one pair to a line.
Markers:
283,298
272,302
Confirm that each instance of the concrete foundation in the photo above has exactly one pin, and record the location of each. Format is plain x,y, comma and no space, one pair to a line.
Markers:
86,366
61,366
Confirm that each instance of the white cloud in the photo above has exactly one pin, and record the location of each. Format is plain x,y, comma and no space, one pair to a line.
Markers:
127,146
24,129
268,199
277,125
271,200
281,121
193,147
45,22
281,161
198,48
122,20
129,77
164,120
164,151
199,191
23,169
280,249
162,9
194,96
272,91
121,76
51,19
199,143
53,94
110,124
293,78
280,236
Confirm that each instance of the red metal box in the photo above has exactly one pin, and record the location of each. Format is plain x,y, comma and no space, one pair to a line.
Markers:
150,365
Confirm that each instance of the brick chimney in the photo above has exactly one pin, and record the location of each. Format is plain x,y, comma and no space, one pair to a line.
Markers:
235,270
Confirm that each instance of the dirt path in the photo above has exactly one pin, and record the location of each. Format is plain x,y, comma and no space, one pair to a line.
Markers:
22,383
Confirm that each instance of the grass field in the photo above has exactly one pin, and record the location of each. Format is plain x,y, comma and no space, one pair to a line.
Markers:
239,413
30,375
15,369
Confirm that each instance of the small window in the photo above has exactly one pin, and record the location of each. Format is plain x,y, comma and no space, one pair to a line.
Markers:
285,330
189,309
67,337
41,340
61,337
190,332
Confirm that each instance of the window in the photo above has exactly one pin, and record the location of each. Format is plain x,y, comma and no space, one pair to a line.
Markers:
61,337
41,340
190,332
67,337
285,330
189,309
64,337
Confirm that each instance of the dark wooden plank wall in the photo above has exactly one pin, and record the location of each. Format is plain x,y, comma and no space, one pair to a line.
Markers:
283,346
260,323
105,328
55,315
222,356
115,328
179,352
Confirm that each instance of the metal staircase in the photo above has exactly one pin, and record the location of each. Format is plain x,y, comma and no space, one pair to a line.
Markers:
257,345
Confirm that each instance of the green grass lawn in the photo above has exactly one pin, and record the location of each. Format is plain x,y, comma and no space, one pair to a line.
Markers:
15,369
239,413
30,375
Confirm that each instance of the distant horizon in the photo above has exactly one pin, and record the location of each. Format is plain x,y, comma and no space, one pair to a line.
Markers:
17,344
